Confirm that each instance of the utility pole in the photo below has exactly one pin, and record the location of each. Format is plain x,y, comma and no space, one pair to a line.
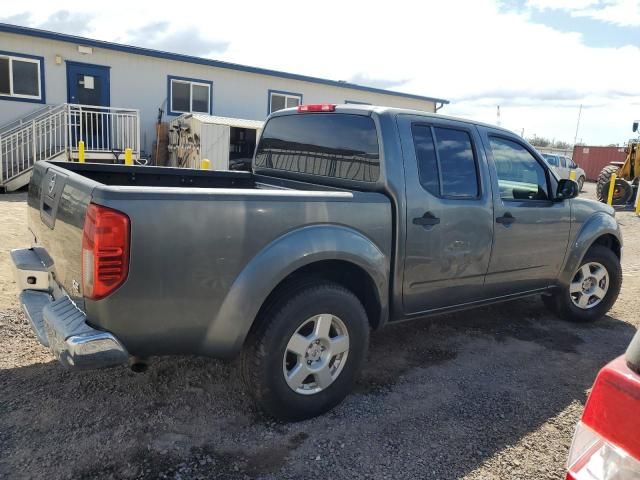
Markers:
498,115
575,138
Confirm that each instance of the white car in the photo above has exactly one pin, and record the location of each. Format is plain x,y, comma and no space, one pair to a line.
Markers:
563,167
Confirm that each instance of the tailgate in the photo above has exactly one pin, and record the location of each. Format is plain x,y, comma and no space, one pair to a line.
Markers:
57,200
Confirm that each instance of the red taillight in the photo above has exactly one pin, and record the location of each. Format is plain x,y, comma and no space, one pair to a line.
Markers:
105,251
606,445
317,107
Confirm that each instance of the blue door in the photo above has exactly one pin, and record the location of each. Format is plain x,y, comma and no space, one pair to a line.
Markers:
88,86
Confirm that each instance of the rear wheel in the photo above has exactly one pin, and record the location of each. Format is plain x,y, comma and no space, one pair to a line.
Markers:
593,290
305,354
580,183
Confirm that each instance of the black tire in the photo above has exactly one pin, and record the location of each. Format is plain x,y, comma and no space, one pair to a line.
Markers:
604,179
263,355
560,301
623,190
581,181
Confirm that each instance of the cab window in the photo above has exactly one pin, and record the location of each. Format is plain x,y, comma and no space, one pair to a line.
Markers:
520,175
332,145
447,166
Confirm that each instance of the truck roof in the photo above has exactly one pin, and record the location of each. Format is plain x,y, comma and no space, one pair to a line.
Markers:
381,110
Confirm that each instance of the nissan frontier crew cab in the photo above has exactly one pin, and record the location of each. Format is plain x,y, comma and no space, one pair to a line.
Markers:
352,218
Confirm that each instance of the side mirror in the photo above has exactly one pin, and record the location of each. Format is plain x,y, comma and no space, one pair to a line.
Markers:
566,189
635,127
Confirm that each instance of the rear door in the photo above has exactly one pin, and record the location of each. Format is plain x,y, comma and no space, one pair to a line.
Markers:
449,225
531,230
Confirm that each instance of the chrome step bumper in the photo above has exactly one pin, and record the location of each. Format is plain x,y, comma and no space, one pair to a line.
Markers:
62,326
29,271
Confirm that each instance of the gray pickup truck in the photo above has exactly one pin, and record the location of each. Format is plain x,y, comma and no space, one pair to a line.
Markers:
353,217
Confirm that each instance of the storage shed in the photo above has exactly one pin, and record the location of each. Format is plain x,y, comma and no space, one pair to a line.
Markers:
228,143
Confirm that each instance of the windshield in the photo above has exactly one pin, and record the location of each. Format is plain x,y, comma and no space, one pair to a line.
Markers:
551,159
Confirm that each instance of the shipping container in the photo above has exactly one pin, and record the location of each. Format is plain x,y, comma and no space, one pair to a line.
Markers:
594,159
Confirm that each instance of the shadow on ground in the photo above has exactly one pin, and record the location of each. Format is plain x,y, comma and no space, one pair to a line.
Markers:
436,399
17,196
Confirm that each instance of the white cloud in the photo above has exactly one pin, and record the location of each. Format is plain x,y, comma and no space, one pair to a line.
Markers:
622,12
618,12
470,52
562,4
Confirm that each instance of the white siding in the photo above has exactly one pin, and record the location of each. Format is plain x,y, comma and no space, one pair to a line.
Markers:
139,81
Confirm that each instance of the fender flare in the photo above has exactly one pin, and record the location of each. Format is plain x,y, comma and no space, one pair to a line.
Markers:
596,226
277,260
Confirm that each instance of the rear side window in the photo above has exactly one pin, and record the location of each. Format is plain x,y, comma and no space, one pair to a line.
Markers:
446,163
323,144
426,156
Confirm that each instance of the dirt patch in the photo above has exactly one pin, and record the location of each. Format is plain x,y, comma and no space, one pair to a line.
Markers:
167,460
492,393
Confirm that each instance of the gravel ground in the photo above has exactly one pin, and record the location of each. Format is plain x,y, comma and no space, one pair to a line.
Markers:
492,393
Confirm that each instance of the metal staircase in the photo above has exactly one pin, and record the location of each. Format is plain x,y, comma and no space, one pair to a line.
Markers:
54,133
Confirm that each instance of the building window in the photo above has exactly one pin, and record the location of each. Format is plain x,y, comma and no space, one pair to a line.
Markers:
280,100
187,95
21,77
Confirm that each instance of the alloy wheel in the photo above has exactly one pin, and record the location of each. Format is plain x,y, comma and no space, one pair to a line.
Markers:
316,354
589,285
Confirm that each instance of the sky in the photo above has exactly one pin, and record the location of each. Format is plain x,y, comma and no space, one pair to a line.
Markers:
539,60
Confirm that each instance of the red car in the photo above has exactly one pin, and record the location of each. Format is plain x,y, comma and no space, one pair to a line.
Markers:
606,445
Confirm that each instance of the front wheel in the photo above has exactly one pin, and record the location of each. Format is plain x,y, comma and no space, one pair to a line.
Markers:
593,290
304,355
580,183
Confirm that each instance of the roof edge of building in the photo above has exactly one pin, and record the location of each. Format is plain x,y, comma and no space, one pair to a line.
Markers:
63,37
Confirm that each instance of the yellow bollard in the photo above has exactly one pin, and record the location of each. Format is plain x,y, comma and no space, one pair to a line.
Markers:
128,156
572,175
81,151
612,184
205,164
637,204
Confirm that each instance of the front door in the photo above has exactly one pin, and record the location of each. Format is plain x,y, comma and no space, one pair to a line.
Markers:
88,86
449,214
531,229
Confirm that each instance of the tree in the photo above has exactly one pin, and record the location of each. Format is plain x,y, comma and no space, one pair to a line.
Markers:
543,142
537,141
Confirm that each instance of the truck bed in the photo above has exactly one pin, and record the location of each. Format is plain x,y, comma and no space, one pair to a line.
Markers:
197,238
158,176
